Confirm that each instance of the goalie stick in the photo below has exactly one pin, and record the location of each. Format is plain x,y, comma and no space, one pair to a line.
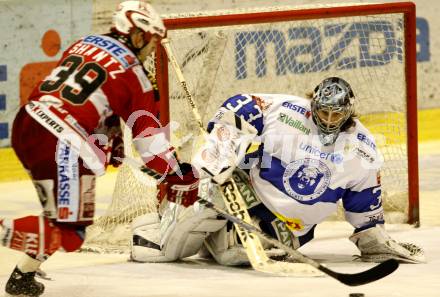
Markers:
375,273
235,202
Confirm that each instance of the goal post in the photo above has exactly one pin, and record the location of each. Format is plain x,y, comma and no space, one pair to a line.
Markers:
363,16
286,50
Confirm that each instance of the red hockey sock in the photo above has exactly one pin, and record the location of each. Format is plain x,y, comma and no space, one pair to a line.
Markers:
34,235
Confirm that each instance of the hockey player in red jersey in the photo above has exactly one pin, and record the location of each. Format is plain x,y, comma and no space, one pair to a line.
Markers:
70,126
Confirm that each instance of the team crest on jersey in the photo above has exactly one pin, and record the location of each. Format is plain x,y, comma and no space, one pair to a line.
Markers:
306,179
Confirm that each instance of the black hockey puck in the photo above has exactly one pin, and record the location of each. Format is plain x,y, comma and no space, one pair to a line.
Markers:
356,295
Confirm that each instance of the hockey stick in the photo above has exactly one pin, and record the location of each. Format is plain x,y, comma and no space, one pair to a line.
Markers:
375,273
172,59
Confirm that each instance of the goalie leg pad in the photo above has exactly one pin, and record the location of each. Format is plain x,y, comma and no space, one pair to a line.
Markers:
225,246
178,234
376,245
145,238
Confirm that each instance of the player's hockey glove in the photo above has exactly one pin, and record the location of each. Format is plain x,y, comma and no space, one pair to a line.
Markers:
181,189
113,148
376,245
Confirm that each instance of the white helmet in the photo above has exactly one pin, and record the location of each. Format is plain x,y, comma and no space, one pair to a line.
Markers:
137,14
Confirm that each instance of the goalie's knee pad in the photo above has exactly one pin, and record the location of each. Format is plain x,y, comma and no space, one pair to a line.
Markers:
145,239
226,248
178,234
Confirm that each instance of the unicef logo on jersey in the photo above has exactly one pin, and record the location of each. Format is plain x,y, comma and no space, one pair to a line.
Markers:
306,179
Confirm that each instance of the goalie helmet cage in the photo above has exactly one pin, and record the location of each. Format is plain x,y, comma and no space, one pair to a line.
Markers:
289,51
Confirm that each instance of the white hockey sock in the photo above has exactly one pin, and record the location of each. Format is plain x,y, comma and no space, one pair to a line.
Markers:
28,264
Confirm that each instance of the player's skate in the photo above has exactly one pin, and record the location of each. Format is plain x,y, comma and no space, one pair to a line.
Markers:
23,284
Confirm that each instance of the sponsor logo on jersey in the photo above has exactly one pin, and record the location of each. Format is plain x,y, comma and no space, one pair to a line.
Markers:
219,114
290,121
306,179
314,151
25,241
68,181
364,155
299,109
363,138
294,224
43,116
354,148
376,217
113,47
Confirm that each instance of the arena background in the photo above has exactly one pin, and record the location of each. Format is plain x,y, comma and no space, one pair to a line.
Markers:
39,31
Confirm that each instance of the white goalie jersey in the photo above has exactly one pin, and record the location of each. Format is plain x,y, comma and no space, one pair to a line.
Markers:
296,177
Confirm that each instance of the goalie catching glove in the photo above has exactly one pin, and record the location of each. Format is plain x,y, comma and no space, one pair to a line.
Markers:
181,187
377,246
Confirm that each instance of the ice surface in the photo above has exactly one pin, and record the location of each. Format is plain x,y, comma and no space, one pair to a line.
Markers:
89,275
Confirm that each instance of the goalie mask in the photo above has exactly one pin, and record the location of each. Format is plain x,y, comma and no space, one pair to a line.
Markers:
332,106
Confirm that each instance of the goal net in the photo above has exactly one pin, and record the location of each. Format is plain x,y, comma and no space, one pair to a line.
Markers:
288,51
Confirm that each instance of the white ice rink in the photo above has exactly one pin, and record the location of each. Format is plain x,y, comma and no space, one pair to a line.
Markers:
92,275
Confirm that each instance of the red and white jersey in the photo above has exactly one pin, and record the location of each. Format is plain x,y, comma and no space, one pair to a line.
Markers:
98,77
